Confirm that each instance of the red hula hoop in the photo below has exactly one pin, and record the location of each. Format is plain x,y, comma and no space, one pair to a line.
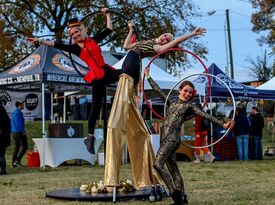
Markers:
165,51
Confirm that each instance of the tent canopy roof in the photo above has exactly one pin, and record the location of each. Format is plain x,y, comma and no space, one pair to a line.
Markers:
240,91
46,64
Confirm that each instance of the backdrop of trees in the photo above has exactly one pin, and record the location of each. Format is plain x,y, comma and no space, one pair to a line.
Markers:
48,19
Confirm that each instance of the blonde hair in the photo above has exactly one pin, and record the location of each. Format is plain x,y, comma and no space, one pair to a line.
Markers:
172,36
82,30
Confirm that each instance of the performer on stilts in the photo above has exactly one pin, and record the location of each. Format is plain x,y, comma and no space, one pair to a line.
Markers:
99,75
125,122
178,113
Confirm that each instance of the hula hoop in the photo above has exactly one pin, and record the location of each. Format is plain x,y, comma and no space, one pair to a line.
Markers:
233,101
165,51
83,19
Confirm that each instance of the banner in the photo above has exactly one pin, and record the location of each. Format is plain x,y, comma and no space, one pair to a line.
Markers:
33,104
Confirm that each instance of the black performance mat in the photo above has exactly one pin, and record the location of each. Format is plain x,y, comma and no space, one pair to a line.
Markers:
76,194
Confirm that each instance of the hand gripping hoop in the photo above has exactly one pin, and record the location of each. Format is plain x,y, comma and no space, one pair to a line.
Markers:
233,101
165,51
85,18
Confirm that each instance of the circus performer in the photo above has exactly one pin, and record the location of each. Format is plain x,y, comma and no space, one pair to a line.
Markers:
178,113
125,122
99,75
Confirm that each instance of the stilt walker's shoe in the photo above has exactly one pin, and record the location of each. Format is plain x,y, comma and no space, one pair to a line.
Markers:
89,141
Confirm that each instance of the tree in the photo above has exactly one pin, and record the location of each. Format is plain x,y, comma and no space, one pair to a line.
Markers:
260,68
263,20
48,19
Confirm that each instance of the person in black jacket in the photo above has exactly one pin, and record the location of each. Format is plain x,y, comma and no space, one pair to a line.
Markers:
241,131
5,127
257,125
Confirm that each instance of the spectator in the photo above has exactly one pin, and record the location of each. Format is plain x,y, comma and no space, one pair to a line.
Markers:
4,138
19,134
144,114
201,128
241,131
257,125
74,106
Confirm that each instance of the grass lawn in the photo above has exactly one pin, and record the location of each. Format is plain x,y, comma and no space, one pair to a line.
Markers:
227,182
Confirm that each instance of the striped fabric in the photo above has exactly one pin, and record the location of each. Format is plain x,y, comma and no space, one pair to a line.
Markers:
146,47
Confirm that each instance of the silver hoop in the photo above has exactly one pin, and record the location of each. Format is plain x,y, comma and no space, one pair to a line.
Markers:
233,101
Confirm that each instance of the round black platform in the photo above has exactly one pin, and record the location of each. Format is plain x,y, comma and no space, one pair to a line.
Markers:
76,194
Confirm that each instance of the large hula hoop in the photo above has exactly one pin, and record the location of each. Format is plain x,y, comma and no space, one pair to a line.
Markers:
233,100
165,51
83,19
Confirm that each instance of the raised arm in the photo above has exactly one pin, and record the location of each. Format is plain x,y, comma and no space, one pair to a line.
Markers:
177,41
106,12
155,86
128,40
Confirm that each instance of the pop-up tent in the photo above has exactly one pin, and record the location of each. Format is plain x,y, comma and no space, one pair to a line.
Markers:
240,91
46,65
269,85
45,70
23,81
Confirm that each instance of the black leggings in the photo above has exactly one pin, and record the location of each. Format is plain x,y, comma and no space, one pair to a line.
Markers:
2,150
130,66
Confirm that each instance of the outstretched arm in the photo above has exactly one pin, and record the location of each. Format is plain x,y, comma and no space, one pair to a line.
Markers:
72,48
40,41
198,111
128,40
177,41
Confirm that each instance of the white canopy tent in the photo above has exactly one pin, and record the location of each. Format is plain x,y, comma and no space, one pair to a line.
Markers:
269,85
162,78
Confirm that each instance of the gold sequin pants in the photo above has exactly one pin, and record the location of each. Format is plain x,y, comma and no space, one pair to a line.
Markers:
126,125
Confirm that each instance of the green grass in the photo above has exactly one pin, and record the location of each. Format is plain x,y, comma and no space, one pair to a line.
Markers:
229,182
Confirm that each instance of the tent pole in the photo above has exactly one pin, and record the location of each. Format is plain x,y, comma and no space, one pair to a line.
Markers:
64,109
43,125
151,113
52,118
211,125
104,113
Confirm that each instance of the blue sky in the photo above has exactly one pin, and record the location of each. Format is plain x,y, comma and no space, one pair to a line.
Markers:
244,41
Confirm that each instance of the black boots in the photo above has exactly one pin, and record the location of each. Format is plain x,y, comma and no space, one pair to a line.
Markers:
179,198
90,143
185,201
3,166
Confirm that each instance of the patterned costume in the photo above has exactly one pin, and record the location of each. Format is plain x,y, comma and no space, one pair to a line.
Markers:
178,113
126,124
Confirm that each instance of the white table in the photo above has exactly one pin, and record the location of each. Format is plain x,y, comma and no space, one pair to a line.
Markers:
59,150
155,139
